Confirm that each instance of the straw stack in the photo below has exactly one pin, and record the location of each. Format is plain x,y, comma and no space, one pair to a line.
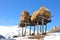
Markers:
22,25
45,12
25,16
35,16
41,12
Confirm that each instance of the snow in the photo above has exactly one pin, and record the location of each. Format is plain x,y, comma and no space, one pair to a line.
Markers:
52,36
12,30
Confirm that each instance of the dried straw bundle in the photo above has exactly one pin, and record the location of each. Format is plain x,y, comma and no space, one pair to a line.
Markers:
45,12
22,25
25,16
35,15
41,12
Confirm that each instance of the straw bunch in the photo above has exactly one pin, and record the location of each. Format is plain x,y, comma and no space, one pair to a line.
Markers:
45,12
41,12
25,16
22,25
35,15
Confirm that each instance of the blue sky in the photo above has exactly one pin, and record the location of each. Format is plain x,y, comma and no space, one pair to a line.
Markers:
10,10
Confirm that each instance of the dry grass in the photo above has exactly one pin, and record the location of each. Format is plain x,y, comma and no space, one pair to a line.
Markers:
25,16
38,36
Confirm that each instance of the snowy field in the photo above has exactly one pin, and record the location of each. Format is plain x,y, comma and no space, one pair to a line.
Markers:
52,36
14,30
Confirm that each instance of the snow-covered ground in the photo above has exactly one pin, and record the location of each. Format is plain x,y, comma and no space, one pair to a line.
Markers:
7,31
52,36
14,30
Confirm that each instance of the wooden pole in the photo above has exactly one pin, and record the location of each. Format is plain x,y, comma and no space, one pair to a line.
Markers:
25,29
34,30
42,25
22,31
37,27
30,30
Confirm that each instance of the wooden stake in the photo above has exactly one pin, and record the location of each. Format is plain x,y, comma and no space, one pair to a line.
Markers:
22,31
30,30
37,27
42,25
34,30
25,29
